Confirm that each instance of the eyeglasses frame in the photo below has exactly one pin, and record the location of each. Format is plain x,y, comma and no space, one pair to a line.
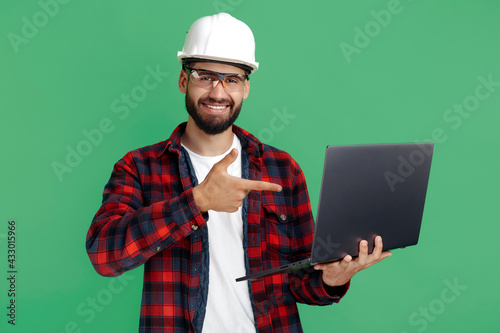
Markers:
220,76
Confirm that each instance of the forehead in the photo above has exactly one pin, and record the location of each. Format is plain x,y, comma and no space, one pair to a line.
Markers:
217,67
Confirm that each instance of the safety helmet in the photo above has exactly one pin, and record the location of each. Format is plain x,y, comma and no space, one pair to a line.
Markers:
220,38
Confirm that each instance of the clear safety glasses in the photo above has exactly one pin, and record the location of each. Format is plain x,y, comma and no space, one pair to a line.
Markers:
208,79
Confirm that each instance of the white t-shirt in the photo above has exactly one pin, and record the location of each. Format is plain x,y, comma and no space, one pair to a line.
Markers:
228,306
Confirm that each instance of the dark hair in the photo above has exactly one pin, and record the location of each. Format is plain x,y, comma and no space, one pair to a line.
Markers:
246,68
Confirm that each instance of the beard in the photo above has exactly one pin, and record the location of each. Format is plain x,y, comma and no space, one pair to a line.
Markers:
216,124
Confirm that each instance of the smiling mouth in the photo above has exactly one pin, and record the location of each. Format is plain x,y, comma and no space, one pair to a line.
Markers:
216,108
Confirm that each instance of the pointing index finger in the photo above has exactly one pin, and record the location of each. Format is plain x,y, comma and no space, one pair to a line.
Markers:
258,185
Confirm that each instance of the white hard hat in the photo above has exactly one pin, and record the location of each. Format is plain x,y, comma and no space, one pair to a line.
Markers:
222,38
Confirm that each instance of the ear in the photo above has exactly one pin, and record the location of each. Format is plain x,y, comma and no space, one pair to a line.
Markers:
247,89
183,81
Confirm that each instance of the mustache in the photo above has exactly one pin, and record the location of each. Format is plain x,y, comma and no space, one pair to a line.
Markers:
210,100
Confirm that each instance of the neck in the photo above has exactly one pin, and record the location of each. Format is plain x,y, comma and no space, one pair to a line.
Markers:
206,145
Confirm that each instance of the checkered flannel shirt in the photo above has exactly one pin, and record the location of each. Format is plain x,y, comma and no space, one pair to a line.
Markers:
149,216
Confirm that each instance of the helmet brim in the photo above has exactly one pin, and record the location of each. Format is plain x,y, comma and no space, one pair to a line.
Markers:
246,66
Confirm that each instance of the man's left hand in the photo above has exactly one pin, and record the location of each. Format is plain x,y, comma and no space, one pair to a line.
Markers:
340,272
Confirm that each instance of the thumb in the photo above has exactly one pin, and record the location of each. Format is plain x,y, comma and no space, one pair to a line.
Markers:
228,159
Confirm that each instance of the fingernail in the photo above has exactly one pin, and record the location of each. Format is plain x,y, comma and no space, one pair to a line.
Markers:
364,243
278,188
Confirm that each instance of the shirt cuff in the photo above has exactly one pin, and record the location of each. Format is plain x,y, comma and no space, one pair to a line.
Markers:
336,292
186,213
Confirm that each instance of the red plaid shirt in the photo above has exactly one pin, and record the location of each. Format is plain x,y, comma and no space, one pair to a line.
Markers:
149,216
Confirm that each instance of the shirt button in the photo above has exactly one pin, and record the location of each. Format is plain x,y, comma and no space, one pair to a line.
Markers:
158,249
194,227
283,217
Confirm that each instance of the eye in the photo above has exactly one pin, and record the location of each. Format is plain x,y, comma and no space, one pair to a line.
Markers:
232,79
208,77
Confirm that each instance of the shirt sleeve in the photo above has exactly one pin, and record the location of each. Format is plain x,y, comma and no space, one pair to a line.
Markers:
307,284
124,233
308,287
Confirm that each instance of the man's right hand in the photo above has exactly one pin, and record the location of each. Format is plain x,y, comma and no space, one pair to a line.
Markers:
225,193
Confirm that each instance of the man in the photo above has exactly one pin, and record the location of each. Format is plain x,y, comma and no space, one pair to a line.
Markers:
211,204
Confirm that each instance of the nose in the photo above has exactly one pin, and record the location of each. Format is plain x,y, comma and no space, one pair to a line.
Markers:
219,81
218,91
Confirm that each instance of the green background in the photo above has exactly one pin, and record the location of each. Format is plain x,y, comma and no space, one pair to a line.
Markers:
400,85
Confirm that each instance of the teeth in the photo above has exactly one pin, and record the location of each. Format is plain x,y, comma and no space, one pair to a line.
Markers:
216,107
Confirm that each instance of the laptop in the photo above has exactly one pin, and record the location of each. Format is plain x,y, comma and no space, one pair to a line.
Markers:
367,190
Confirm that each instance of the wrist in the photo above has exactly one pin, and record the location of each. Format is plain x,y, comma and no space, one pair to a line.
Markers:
199,199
